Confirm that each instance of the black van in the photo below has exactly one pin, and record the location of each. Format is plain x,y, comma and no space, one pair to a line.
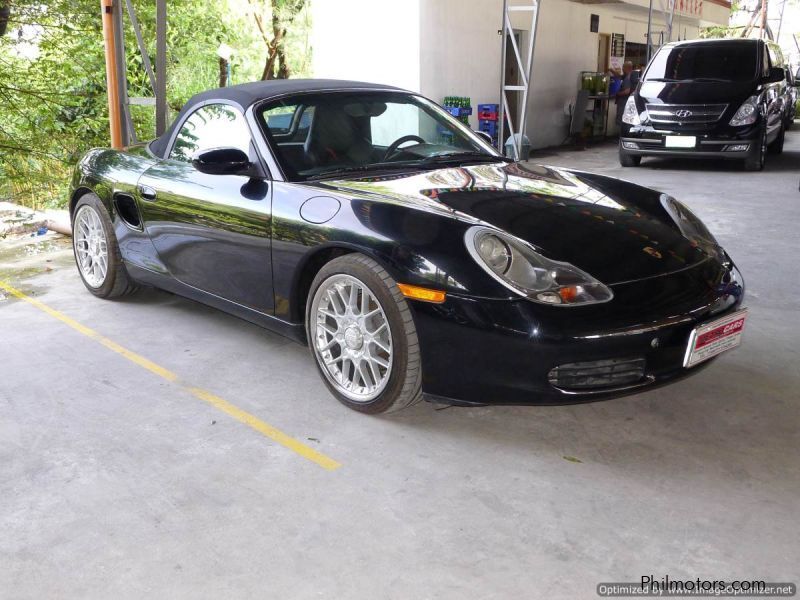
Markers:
720,98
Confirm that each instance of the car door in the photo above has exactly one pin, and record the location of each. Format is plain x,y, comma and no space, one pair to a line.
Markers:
212,232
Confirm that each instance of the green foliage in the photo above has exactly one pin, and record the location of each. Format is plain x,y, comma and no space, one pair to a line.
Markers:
53,104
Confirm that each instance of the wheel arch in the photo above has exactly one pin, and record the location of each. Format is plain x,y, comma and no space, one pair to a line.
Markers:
76,195
311,264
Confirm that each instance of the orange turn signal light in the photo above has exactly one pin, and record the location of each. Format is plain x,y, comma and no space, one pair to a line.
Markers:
568,294
421,293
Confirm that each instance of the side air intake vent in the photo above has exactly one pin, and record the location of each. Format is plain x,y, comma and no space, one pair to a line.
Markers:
127,210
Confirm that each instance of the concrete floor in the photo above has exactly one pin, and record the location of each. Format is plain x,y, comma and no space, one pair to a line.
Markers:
115,483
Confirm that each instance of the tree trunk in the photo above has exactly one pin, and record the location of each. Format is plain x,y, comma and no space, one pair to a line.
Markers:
269,65
283,62
5,13
223,72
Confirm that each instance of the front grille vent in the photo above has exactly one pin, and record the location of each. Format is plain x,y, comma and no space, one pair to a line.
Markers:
685,114
597,374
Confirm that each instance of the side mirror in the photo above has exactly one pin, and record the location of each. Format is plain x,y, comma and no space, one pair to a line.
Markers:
483,135
222,161
776,74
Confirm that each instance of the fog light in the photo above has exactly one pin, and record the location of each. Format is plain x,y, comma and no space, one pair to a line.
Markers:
630,145
737,147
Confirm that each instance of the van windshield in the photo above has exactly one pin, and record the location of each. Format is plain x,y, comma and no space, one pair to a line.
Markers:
706,61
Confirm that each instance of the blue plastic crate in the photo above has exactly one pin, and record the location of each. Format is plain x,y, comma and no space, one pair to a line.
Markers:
489,127
459,111
491,108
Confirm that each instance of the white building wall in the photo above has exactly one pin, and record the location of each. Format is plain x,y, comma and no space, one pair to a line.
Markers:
377,41
564,47
451,47
460,50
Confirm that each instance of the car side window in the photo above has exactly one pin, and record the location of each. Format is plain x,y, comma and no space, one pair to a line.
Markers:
289,123
766,66
211,126
776,55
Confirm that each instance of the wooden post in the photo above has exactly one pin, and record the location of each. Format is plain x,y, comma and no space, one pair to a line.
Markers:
114,117
161,66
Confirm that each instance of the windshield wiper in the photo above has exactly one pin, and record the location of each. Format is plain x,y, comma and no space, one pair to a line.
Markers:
462,157
360,169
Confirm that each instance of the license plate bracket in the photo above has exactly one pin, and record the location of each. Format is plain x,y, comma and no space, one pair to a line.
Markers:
715,337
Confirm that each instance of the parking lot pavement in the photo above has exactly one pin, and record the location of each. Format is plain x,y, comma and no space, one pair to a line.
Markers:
118,482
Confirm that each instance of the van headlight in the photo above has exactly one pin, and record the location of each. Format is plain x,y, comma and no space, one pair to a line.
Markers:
630,114
517,266
747,113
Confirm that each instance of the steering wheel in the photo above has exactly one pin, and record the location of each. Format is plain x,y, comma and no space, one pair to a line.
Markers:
395,145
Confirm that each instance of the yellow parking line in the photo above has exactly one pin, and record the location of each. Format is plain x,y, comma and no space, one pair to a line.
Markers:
275,434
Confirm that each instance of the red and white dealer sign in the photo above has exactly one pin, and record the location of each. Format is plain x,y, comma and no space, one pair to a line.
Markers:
716,337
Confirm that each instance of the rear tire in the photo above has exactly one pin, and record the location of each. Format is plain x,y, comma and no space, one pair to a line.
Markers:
756,161
628,160
96,250
362,336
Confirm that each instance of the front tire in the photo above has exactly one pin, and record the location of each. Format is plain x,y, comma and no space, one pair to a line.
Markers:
756,161
628,160
96,250
777,146
362,336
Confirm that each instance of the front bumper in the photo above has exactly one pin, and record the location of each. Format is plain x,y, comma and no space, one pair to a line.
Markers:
727,143
478,351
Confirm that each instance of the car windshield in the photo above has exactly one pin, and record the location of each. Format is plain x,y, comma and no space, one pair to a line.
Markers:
705,61
328,134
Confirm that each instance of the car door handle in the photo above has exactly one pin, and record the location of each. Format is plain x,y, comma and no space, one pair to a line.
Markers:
147,193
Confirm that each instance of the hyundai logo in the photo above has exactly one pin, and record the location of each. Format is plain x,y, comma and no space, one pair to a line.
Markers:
683,113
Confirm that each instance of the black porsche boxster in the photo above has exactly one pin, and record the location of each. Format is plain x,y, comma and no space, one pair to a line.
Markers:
414,260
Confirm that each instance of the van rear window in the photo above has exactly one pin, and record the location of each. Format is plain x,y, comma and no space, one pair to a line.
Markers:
708,61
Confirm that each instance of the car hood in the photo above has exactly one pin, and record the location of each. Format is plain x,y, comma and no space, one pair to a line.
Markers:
614,230
732,93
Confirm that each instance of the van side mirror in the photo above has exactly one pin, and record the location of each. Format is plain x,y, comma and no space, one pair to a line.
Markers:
776,74
221,161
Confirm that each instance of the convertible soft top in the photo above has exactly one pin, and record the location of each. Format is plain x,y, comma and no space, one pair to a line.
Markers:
246,94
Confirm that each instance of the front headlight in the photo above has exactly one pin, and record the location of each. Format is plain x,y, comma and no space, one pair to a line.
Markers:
630,114
747,113
691,227
524,271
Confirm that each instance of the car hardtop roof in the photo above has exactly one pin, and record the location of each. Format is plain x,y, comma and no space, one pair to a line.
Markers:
246,94
712,41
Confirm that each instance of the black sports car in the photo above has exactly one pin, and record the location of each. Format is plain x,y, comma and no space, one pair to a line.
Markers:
415,260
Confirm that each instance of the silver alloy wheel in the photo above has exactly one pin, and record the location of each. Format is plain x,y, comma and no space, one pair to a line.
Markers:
91,246
351,337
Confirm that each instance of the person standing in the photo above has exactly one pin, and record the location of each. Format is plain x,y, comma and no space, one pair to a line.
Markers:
630,80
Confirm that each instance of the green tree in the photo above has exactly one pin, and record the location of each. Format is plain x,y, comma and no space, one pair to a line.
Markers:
281,14
53,104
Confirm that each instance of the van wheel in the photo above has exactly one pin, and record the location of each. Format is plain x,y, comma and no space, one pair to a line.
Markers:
755,162
776,147
628,160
